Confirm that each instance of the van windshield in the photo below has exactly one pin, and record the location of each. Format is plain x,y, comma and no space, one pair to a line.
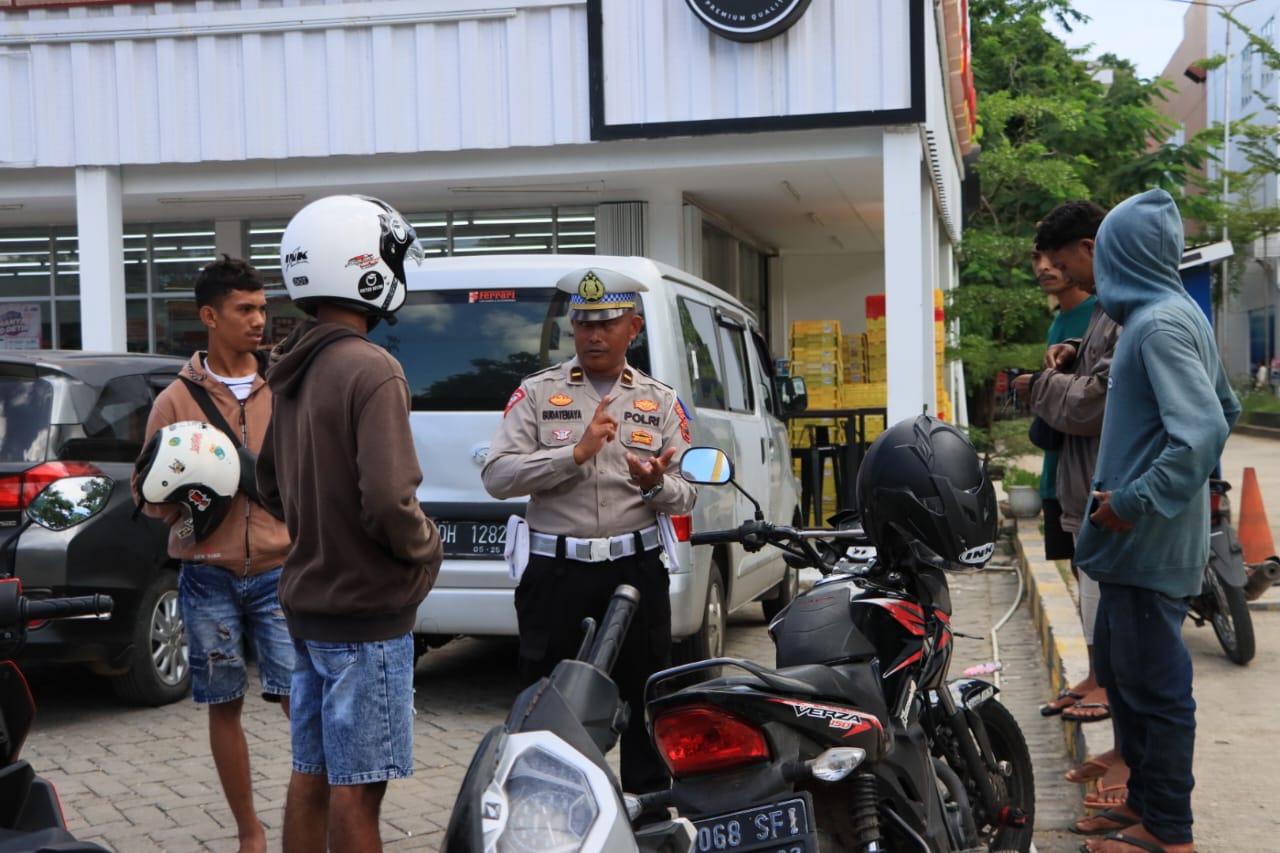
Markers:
467,350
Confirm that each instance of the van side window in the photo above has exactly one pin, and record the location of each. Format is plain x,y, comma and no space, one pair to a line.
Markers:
737,367
702,354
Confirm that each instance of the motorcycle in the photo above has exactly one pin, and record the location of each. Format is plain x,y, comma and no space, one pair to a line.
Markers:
30,815
540,781
1223,599
857,740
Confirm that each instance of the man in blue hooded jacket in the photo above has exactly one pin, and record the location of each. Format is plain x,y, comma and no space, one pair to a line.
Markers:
1169,411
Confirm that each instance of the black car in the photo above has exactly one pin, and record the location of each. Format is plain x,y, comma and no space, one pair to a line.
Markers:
71,425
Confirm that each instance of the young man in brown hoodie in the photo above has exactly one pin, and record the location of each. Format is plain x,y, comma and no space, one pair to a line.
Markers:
341,469
229,580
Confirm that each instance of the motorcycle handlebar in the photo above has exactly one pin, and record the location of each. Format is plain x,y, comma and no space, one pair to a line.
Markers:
66,608
613,628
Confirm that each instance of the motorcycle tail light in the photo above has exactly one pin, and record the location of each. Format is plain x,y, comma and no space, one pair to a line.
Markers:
18,490
700,739
1218,503
683,526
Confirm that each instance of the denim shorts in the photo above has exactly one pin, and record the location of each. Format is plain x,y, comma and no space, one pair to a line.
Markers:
222,611
352,710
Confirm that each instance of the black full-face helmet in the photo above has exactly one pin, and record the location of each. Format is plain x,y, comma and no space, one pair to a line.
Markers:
923,491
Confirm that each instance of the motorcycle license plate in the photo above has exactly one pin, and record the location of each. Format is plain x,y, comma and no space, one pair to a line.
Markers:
782,827
473,538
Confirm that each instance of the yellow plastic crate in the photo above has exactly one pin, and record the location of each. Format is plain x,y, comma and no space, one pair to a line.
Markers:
815,327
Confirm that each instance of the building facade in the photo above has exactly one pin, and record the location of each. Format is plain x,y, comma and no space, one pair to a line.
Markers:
801,155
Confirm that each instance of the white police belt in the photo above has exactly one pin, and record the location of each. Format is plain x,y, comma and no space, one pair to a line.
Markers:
594,550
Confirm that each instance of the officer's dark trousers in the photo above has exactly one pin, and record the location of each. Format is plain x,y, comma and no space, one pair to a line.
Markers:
554,597
1141,659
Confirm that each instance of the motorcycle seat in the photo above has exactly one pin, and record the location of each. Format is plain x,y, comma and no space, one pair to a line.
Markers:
850,684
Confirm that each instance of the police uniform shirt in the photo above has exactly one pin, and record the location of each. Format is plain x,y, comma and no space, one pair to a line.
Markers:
546,417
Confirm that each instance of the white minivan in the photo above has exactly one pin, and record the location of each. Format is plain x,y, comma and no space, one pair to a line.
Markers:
472,327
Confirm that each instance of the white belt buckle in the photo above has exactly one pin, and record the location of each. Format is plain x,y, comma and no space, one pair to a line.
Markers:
598,550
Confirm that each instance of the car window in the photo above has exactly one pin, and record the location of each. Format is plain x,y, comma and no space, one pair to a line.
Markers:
467,350
26,407
702,353
114,429
737,381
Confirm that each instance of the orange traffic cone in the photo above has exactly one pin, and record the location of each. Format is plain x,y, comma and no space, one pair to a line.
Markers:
1253,530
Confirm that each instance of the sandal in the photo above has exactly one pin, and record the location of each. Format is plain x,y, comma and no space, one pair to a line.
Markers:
1140,843
1087,772
1083,706
1117,820
1098,799
1052,710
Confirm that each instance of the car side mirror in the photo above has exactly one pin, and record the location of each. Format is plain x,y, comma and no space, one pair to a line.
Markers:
793,394
707,466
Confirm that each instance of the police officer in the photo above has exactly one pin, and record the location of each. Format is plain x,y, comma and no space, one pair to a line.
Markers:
595,444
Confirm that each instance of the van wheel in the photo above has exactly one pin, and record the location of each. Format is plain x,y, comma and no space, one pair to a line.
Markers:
708,641
159,672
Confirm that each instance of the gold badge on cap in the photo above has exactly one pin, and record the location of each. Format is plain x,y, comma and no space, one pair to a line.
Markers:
591,288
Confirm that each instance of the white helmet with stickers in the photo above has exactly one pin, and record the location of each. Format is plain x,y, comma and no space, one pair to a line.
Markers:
348,249
195,466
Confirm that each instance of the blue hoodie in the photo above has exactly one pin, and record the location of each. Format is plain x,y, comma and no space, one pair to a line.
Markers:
1169,407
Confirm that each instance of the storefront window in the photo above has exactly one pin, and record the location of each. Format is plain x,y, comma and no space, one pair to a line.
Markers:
66,259
161,263
138,340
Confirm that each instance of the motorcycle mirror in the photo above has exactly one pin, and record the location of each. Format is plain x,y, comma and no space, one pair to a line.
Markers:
707,466
67,502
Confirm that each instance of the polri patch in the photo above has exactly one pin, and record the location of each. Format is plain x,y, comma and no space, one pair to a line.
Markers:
640,436
515,397
560,400
562,434
645,405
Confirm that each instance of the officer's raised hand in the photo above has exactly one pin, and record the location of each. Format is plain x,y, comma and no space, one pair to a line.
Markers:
647,473
602,430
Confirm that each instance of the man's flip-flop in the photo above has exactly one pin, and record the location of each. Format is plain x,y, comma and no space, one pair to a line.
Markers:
1087,772
1091,706
1097,800
1140,843
1118,822
1051,711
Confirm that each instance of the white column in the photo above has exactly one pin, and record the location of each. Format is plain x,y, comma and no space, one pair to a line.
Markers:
100,231
907,275
665,226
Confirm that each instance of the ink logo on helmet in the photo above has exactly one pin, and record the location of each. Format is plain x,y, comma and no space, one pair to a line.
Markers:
591,288
979,555
297,256
371,284
748,20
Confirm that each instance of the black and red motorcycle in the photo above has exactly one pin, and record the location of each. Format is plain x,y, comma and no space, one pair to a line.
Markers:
858,740
30,814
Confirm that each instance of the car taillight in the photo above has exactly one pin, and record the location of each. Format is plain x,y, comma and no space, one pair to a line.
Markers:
18,490
683,526
700,739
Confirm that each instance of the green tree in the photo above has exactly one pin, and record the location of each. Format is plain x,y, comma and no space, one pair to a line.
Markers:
1051,128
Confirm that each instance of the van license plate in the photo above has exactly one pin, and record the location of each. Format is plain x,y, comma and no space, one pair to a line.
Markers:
784,827
473,538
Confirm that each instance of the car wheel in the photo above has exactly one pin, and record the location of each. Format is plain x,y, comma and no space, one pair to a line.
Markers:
708,641
159,672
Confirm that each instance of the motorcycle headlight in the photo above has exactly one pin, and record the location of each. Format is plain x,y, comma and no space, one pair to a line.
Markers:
545,795
550,805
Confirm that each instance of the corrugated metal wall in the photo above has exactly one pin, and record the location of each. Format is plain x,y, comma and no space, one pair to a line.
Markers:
210,81
662,65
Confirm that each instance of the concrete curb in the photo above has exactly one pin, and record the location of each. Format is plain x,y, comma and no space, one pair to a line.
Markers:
1053,597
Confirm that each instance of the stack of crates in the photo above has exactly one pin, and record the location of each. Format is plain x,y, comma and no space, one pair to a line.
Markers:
877,344
940,356
818,354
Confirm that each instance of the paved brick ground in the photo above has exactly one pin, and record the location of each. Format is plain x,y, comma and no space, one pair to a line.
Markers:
141,779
